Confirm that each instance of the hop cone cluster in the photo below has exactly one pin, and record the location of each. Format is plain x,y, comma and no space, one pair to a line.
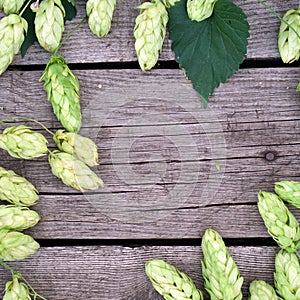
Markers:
12,37
16,189
17,218
170,282
289,191
80,147
100,13
260,290
62,88
16,245
199,10
12,6
280,222
73,172
169,3
220,273
149,33
49,24
16,290
22,142
288,41
287,275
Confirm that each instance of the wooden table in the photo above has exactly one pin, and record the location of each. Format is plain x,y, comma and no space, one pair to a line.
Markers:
171,168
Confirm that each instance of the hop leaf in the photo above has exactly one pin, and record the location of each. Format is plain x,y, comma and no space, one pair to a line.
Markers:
12,6
149,33
221,275
199,10
260,290
100,13
289,191
62,88
49,24
16,290
288,40
22,142
170,282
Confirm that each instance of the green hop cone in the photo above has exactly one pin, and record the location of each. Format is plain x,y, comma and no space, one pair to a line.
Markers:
16,290
12,36
199,10
170,282
62,88
288,191
149,33
73,172
22,142
17,218
220,273
169,3
100,13
49,24
16,189
16,245
287,275
280,222
1,5
298,87
81,147
12,6
260,290
288,41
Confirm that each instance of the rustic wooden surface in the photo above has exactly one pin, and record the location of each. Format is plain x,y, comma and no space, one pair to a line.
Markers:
171,168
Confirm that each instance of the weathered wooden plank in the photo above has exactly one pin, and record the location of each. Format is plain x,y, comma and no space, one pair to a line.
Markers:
118,272
118,46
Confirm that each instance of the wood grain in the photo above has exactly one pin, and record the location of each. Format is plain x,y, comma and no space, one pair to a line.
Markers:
117,273
118,46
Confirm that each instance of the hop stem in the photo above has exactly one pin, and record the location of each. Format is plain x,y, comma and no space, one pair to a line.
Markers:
21,13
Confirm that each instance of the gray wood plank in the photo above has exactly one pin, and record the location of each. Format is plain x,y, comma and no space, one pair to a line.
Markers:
117,273
118,46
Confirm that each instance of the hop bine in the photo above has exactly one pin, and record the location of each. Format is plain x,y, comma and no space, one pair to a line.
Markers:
199,10
170,282
17,218
288,40
280,222
100,13
287,275
12,6
149,33
16,189
80,147
22,142
16,245
12,37
49,24
73,172
220,273
260,290
16,290
62,88
289,191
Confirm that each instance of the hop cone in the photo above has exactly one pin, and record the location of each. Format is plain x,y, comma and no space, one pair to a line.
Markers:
260,290
280,222
289,191
199,10
16,290
12,6
16,189
149,33
100,13
49,24
16,245
62,88
288,41
1,5
12,37
220,273
79,146
73,172
287,275
17,218
22,142
169,3
170,282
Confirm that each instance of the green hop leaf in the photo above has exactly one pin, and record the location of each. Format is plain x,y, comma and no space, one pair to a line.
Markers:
209,51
